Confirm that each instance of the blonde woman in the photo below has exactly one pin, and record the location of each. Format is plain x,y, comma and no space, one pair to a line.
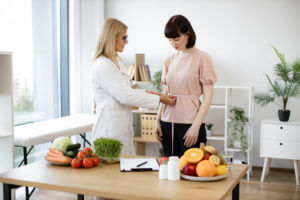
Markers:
112,92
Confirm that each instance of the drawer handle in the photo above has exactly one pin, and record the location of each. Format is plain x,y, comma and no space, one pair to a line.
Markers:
281,127
280,143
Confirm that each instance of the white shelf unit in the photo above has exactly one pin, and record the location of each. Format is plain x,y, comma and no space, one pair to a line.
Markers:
228,104
6,114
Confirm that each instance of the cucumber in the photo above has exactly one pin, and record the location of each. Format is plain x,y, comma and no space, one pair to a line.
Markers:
73,147
70,154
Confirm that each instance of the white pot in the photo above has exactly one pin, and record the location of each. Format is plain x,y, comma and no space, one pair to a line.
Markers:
237,144
208,133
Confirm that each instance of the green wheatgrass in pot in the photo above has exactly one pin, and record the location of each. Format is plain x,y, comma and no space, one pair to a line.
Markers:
108,148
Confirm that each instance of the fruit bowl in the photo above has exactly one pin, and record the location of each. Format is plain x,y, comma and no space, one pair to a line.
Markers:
206,179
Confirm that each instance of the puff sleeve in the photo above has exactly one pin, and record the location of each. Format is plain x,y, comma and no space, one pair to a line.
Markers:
207,73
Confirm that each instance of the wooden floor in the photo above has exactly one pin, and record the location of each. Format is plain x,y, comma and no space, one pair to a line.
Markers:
279,184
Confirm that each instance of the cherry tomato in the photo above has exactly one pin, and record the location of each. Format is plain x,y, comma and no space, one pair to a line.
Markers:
87,163
76,163
95,160
81,155
88,151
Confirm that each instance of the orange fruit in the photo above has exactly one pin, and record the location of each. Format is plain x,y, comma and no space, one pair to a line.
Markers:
206,169
182,163
193,155
214,159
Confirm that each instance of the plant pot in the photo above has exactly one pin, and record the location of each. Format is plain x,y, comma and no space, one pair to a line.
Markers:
237,144
284,115
208,133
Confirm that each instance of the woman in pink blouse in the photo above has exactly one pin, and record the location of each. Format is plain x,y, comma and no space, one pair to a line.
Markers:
188,75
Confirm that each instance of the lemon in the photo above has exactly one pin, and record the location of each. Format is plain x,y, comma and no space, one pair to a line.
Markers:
221,170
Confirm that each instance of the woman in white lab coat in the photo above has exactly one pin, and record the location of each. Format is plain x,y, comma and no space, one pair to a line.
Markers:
112,92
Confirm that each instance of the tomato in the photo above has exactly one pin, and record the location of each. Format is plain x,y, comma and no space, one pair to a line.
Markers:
95,160
87,163
76,163
81,155
87,151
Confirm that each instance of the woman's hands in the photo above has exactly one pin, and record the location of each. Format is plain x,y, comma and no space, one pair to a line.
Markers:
165,98
191,136
158,131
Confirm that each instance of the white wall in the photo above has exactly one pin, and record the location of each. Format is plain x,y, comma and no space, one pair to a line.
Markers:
237,33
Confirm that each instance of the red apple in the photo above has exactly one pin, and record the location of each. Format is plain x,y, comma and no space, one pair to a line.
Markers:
189,170
206,156
164,160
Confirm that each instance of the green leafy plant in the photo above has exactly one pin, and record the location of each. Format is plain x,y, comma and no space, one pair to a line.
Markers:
209,126
237,122
108,148
285,85
156,82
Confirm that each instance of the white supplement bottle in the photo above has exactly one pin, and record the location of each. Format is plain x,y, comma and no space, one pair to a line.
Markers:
173,168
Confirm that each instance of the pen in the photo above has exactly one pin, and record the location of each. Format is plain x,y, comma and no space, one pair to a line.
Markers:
141,164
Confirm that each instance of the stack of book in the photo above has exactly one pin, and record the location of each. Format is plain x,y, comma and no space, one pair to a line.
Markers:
139,71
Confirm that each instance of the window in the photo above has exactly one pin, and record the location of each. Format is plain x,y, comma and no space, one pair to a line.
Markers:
33,34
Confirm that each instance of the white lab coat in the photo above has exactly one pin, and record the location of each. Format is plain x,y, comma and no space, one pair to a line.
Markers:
114,98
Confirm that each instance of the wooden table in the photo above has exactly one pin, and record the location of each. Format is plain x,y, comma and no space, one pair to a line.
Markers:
107,181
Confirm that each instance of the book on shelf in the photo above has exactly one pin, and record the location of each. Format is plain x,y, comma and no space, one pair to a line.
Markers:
138,72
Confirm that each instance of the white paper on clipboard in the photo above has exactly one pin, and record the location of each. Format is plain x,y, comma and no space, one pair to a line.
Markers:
131,164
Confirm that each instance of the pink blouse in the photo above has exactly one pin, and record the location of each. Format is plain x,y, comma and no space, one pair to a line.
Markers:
185,74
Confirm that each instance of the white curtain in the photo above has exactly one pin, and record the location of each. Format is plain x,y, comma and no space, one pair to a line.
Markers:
85,20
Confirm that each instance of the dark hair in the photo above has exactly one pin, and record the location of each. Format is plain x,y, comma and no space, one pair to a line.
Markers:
179,24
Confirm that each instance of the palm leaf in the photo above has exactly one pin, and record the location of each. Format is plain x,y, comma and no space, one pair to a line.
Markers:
276,89
294,90
282,72
263,98
280,56
296,71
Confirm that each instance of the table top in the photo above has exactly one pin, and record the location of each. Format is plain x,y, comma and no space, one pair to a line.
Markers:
107,181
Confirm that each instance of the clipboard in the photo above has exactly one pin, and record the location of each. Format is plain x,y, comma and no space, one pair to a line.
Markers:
138,164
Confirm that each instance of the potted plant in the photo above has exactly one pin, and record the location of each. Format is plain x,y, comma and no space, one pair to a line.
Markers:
156,82
237,122
209,129
285,86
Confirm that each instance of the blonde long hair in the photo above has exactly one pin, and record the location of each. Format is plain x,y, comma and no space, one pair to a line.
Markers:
106,44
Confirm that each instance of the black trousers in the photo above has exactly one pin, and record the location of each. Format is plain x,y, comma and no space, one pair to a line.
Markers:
179,132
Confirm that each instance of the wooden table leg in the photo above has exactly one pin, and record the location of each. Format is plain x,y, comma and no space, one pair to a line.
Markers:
236,192
80,197
265,169
296,168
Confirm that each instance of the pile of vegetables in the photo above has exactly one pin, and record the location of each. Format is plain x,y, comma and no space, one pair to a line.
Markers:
63,151
108,148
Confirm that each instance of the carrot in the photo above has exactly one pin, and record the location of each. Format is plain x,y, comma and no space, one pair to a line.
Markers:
56,151
56,159
53,155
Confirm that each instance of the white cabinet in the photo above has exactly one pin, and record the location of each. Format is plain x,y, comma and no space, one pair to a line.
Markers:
280,140
6,114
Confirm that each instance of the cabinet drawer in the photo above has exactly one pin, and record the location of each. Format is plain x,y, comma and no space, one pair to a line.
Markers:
281,132
280,149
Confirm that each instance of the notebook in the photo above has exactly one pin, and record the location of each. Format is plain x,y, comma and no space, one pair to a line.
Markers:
138,164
